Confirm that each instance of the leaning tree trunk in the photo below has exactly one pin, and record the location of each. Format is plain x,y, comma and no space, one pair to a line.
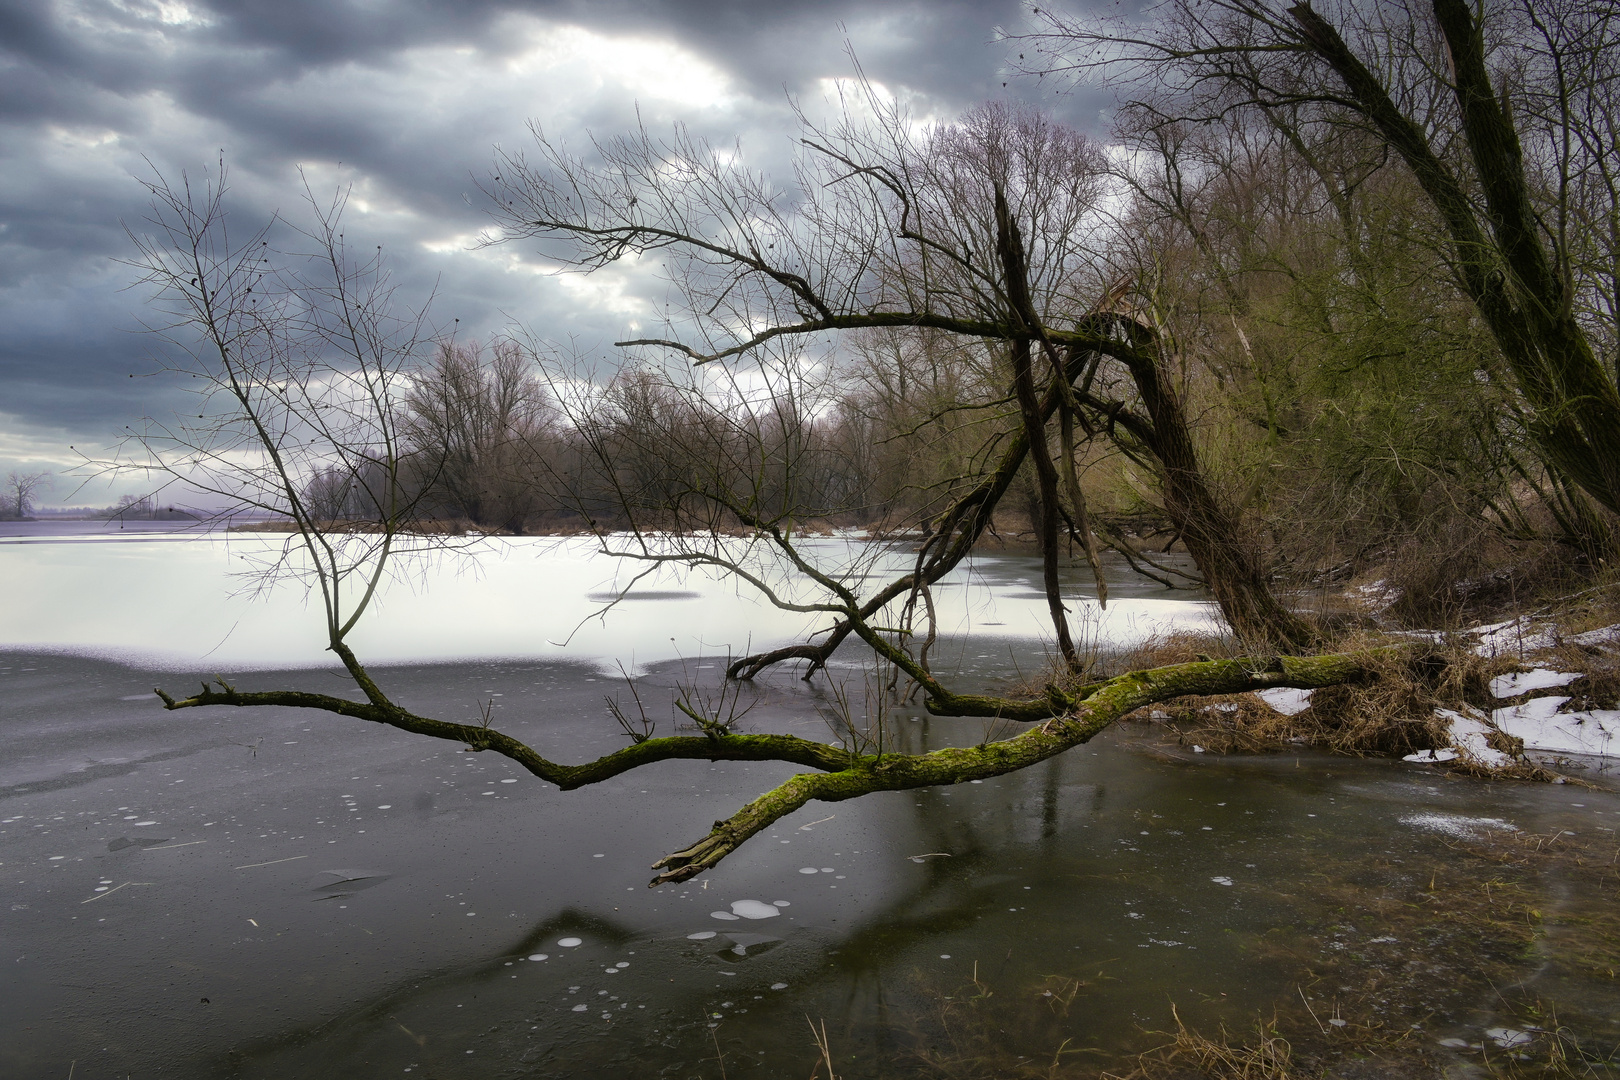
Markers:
1226,557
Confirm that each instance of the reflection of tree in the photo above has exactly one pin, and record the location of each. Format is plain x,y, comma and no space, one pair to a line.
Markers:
419,987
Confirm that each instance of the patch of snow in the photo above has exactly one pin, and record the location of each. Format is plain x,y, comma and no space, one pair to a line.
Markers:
1379,594
1286,700
1431,757
1516,636
1542,727
1607,635
1469,737
1222,880
1521,682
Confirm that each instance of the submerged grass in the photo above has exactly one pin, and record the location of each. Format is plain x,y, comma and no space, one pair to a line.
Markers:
1396,968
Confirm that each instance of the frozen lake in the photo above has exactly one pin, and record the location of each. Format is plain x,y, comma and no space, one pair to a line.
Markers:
279,893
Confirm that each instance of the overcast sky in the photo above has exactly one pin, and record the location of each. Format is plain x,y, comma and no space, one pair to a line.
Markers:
405,100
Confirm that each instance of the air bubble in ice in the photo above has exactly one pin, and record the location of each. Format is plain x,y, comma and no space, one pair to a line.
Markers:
726,915
569,942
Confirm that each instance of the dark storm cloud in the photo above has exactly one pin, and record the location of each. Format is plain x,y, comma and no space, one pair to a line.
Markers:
403,100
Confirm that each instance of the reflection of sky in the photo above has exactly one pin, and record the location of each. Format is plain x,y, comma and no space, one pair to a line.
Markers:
186,602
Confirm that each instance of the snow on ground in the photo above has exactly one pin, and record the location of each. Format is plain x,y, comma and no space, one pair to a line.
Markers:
1542,727
1538,723
1469,737
1285,699
1516,636
1520,682
1607,635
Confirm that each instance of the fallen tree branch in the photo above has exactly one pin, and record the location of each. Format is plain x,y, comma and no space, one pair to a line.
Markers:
1062,720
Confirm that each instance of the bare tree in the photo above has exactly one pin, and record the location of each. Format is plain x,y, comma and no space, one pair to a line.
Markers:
986,229
21,490
478,427
296,360
300,375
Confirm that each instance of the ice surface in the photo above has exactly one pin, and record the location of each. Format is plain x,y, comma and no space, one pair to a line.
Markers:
753,909
569,942
725,915
120,597
701,935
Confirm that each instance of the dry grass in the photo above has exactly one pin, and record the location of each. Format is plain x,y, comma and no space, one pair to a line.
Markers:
1267,1057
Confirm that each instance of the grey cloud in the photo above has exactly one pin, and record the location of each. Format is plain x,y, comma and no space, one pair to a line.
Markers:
93,93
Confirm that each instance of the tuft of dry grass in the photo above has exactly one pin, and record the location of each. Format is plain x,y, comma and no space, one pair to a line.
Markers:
1268,1057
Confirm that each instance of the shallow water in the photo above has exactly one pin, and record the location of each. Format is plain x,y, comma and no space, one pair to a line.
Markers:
283,893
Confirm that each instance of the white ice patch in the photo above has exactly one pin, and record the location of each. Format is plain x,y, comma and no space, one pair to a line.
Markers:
1521,682
569,942
753,909
1222,880
724,915
1542,727
1285,699
1464,828
701,935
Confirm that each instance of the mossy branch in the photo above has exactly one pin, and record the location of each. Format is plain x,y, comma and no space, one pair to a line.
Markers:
1069,721
1063,719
